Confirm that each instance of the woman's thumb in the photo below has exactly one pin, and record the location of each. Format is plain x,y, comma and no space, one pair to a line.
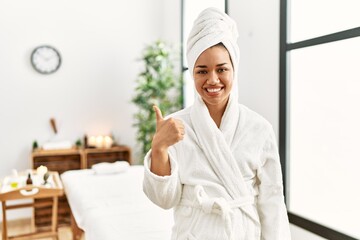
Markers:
158,113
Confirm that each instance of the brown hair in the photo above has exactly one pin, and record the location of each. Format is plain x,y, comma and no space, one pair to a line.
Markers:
220,44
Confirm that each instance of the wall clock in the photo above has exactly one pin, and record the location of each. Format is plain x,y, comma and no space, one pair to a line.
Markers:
45,59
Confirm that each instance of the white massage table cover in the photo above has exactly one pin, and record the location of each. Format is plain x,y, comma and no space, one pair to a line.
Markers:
113,206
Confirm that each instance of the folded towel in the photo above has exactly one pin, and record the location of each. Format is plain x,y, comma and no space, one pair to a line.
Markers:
57,145
110,168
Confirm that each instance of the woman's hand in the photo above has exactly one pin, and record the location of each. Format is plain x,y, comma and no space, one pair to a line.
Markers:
168,132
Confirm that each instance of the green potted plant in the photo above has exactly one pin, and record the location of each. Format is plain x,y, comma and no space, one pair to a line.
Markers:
157,84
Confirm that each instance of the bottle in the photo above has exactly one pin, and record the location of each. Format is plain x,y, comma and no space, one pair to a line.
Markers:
29,180
85,141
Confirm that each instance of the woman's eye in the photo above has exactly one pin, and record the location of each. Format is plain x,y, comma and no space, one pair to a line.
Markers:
221,70
201,72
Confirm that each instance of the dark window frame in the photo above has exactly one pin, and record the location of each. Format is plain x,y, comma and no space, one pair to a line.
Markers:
285,48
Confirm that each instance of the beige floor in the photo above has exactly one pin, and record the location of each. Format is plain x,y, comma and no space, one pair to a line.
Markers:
23,226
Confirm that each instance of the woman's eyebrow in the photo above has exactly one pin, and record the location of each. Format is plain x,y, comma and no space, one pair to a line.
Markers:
204,66
201,66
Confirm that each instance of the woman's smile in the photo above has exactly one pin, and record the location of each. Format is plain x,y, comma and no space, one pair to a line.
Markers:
213,75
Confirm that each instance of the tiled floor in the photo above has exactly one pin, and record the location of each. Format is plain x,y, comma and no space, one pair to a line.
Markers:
23,226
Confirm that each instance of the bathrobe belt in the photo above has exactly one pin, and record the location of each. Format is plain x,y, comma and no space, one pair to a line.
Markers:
217,205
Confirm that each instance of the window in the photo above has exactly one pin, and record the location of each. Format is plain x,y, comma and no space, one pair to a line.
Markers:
190,10
320,116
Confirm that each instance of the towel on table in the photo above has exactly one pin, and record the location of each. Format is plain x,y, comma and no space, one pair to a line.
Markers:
57,145
110,168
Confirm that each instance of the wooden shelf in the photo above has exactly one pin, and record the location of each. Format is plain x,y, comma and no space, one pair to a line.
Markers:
93,155
71,159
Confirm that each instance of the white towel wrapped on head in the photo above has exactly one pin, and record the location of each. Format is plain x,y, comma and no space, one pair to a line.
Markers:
110,168
213,26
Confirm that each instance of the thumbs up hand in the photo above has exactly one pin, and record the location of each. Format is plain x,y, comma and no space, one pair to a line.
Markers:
168,132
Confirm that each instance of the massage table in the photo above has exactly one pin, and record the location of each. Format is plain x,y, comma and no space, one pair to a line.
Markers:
114,207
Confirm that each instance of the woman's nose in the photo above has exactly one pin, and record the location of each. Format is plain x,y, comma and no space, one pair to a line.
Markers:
213,79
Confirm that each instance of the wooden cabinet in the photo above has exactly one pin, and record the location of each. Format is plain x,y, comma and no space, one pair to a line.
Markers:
71,159
93,155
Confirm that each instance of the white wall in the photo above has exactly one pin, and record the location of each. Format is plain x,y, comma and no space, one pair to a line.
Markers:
171,22
100,42
258,23
259,30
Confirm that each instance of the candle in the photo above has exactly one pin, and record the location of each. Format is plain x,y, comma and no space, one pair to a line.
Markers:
92,141
99,141
41,170
108,141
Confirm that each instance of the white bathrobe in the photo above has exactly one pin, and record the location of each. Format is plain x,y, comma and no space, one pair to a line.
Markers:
225,182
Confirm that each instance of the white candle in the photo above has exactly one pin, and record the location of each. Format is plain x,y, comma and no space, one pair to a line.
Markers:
92,141
41,170
108,142
99,141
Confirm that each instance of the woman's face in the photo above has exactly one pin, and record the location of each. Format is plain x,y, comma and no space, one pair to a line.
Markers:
213,76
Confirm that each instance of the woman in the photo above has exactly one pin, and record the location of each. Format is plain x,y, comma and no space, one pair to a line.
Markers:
216,163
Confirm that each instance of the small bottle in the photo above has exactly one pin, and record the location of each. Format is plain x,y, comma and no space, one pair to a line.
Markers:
85,141
29,180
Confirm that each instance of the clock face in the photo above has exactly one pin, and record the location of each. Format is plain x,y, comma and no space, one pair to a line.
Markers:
45,59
